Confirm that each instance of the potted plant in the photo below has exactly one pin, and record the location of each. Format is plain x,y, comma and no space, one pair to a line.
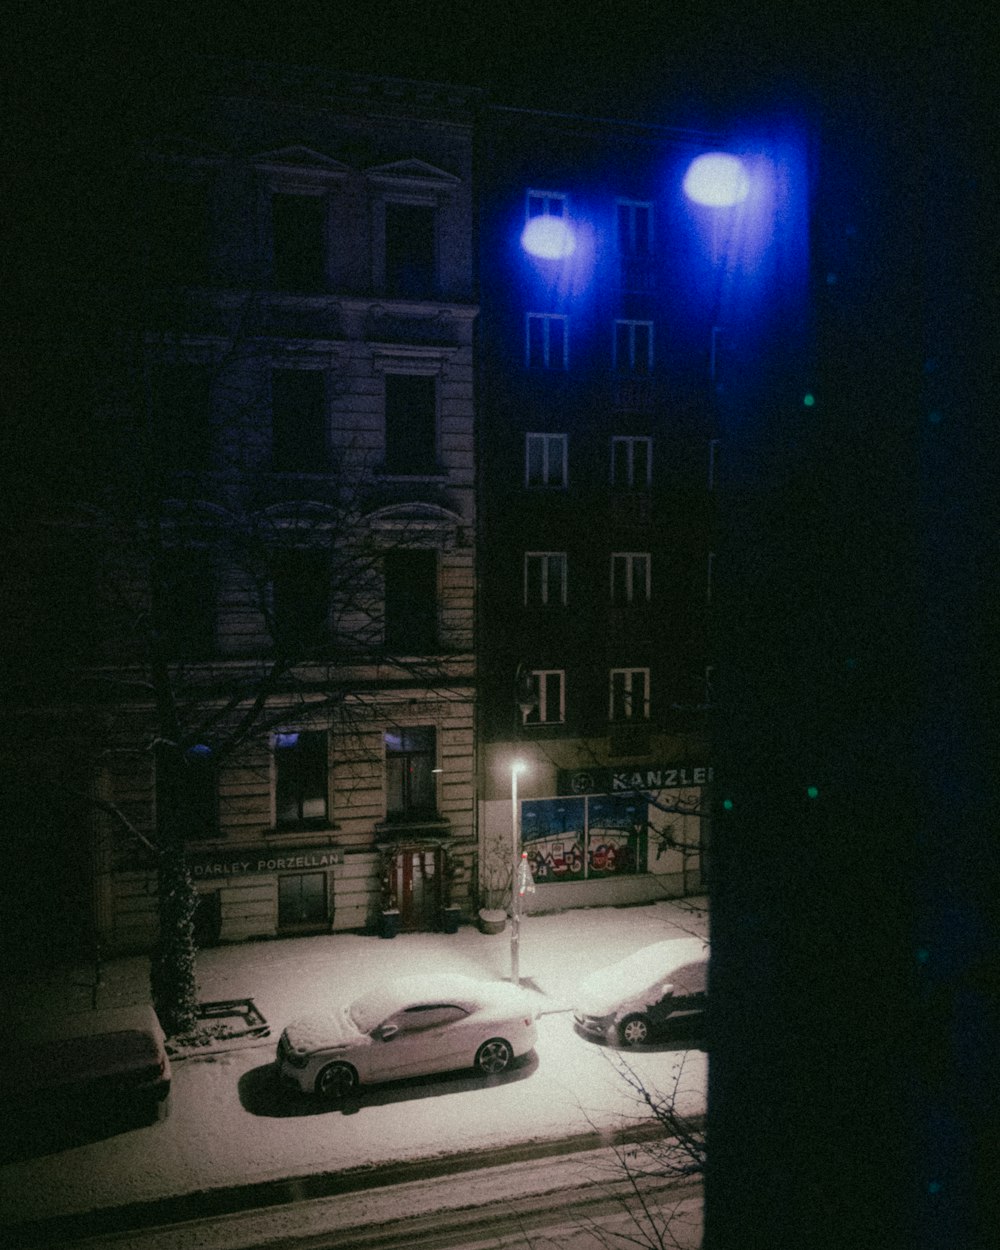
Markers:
495,885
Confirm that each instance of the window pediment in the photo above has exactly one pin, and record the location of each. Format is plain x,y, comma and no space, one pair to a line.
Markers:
299,159
413,173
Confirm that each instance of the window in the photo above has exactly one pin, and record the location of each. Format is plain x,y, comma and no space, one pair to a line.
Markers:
177,232
410,423
298,241
410,268
184,603
548,693
300,783
630,577
631,462
545,460
411,595
544,577
629,694
547,341
633,347
298,420
187,794
301,899
635,227
545,204
410,758
300,596
181,400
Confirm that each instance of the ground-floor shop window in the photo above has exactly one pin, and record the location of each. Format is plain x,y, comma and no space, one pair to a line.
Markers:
301,899
577,839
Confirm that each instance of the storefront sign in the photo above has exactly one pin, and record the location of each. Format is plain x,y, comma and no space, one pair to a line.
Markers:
630,780
253,860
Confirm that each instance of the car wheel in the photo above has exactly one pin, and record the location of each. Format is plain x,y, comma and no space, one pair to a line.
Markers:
494,1056
633,1031
336,1081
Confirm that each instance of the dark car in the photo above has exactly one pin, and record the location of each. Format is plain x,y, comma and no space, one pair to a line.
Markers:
627,1002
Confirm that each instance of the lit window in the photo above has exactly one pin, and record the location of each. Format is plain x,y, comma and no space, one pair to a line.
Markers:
547,342
300,777
545,460
410,758
630,577
631,461
629,694
548,698
544,577
298,420
633,346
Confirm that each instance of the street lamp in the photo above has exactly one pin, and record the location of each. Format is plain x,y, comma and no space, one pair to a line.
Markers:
517,766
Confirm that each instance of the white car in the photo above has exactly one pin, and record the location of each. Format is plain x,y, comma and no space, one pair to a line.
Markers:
408,1027
629,1000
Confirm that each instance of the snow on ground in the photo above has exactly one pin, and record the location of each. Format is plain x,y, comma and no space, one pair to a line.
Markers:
229,1124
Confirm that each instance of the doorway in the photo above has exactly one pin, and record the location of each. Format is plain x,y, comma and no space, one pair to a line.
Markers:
417,879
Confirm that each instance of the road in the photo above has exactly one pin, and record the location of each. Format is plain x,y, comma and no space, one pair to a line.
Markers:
589,1200
235,1137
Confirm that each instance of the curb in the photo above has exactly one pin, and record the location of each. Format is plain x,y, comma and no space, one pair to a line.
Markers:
59,1231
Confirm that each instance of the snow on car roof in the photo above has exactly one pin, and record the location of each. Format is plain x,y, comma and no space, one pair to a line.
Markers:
392,996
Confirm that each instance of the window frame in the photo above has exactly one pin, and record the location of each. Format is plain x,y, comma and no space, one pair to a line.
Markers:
628,716
432,465
546,320
549,439
546,199
632,367
541,692
322,414
410,811
628,579
631,235
321,739
630,442
311,283
545,596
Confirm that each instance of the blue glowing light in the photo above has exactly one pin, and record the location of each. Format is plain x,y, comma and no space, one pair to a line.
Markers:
717,180
549,238
199,751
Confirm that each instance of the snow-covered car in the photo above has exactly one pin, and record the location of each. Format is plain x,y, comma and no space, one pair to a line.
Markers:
406,1027
115,1058
628,1001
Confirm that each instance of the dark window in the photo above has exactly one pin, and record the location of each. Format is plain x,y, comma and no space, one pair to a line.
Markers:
298,240
411,601
545,460
181,417
300,597
300,765
177,233
301,899
548,341
633,347
410,423
410,755
631,462
187,795
548,695
409,249
298,420
635,228
184,602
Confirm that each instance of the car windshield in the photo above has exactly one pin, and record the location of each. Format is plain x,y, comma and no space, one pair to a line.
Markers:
368,1011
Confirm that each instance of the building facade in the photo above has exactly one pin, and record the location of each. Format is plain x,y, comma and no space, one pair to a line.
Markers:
596,512
267,581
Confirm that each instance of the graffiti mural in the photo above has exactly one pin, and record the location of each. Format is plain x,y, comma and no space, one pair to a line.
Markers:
553,834
573,839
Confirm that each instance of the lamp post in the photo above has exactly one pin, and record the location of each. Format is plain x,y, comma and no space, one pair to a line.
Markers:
516,767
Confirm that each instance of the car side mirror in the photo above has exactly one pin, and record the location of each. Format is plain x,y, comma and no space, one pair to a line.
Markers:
385,1031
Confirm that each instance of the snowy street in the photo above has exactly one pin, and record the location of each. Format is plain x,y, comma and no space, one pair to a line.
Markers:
231,1126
